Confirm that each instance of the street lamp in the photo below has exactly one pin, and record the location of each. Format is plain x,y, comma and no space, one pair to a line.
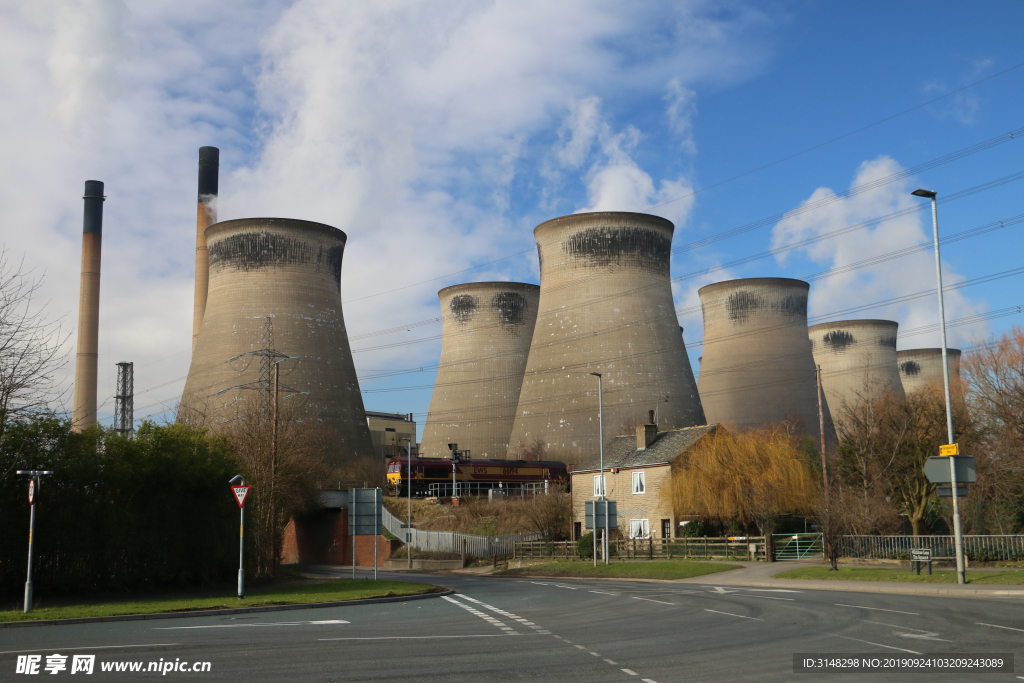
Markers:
960,578
604,500
408,490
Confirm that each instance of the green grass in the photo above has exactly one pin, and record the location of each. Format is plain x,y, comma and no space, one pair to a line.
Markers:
1005,578
344,589
655,569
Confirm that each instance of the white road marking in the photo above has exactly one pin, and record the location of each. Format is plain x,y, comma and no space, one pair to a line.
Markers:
580,647
770,597
572,588
630,672
595,654
888,647
610,662
921,633
648,680
483,615
92,647
483,635
978,623
879,609
602,592
733,615
719,589
330,622
660,602
773,590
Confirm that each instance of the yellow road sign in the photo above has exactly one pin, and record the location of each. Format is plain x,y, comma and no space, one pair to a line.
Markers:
949,449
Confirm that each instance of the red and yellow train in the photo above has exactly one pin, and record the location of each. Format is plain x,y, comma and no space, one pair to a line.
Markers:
479,474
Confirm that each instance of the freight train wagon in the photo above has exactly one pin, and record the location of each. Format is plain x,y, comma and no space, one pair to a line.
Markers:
480,475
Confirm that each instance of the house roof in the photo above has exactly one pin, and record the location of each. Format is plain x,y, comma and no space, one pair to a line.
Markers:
622,451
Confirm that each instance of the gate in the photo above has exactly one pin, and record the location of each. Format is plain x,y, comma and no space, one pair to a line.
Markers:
798,547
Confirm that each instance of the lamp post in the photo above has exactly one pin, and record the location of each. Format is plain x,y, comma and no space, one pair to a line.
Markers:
600,423
960,578
408,490
33,491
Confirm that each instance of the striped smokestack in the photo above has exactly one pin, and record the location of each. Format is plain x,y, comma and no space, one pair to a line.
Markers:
89,308
206,215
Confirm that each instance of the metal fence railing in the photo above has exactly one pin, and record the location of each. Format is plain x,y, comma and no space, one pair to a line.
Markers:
454,542
511,490
798,547
977,548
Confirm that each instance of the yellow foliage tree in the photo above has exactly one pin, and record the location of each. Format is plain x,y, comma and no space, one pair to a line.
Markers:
750,477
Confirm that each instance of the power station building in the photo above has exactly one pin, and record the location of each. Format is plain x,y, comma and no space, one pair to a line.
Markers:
757,366
487,329
605,307
920,368
287,272
857,360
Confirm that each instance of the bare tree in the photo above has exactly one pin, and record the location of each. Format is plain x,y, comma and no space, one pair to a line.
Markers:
535,452
30,344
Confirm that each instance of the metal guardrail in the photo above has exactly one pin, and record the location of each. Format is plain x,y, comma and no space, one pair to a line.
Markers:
452,541
977,548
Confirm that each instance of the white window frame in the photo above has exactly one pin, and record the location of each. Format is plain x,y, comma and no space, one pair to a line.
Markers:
639,528
638,477
599,479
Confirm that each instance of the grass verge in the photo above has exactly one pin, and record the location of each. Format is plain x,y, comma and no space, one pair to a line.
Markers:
667,569
1004,578
343,589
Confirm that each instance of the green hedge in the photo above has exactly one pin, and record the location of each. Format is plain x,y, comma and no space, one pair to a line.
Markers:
118,514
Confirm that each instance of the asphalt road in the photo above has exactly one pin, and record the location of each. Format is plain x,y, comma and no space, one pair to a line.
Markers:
549,630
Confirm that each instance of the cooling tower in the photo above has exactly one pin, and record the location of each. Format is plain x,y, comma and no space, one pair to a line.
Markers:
84,406
757,366
605,306
857,360
922,367
288,271
206,215
487,329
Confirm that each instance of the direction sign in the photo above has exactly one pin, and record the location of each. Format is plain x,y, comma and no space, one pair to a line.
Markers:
591,505
240,493
365,512
31,490
920,554
949,449
937,469
947,491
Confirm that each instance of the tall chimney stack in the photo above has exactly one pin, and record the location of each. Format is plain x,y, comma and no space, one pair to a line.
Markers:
206,215
89,308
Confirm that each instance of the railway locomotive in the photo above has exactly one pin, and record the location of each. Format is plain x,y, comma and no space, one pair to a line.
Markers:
471,475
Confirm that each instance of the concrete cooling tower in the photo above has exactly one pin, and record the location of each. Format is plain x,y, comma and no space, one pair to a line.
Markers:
487,328
922,367
605,306
290,272
757,366
857,360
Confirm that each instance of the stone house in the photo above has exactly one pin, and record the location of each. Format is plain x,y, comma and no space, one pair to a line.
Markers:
636,470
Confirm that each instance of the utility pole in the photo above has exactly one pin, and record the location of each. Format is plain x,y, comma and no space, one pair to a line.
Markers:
821,428
604,500
124,399
33,491
408,491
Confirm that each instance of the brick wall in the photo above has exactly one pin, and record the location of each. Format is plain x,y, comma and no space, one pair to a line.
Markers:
322,538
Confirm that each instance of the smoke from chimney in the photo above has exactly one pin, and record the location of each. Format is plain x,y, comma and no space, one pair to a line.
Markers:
89,308
206,215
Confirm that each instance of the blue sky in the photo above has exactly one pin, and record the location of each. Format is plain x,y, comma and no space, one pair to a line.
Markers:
437,135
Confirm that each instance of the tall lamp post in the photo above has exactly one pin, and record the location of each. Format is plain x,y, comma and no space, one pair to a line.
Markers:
33,490
604,500
960,578
408,490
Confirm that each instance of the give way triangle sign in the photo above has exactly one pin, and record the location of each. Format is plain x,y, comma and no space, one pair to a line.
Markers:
240,493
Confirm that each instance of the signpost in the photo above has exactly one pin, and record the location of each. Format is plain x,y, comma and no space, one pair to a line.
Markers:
606,513
919,556
240,492
938,470
949,449
365,518
33,487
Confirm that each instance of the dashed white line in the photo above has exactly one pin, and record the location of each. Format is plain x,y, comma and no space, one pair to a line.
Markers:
572,588
770,597
648,680
580,647
733,615
978,623
878,609
630,672
610,662
602,592
486,617
661,602
93,647
889,647
330,622
595,654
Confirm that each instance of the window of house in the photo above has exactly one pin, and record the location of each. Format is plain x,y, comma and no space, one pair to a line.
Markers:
666,528
577,530
599,485
639,528
639,482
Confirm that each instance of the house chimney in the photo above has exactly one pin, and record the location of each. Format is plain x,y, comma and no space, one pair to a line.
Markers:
84,407
646,434
209,173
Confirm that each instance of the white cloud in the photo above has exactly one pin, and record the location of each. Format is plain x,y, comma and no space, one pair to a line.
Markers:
908,274
681,111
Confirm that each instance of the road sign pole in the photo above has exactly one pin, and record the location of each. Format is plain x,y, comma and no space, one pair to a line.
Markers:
376,532
31,533
355,531
241,533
